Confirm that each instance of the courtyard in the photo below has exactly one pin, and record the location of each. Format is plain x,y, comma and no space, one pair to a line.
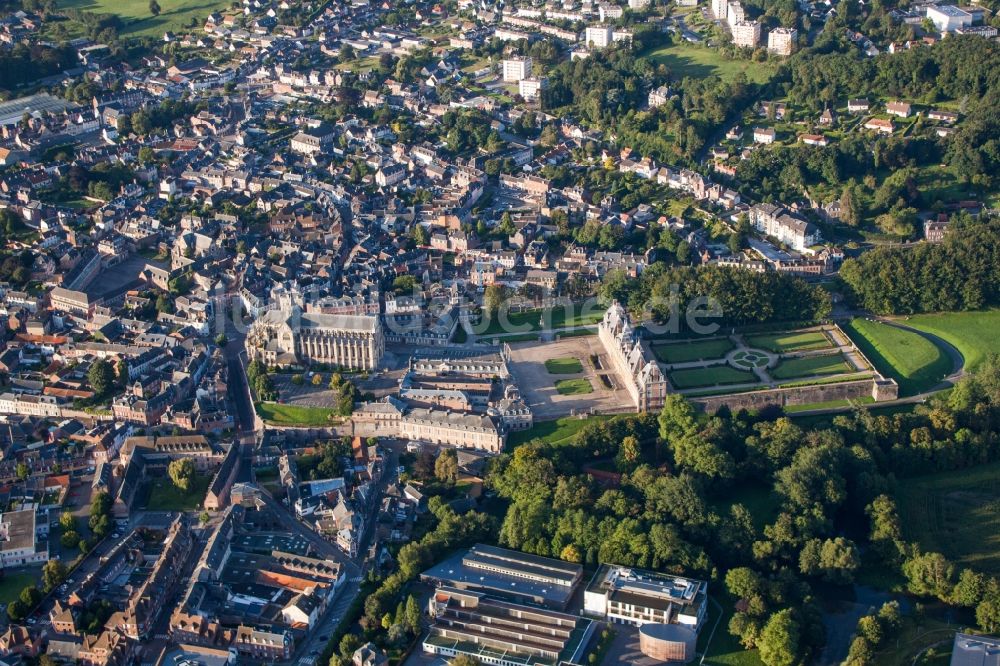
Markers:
544,373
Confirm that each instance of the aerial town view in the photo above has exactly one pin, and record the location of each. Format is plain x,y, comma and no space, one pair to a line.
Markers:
499,332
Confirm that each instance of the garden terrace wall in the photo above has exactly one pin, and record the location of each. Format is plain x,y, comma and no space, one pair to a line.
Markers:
877,389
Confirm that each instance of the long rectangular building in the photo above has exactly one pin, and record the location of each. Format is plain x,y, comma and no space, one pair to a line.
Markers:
511,574
288,336
640,373
498,632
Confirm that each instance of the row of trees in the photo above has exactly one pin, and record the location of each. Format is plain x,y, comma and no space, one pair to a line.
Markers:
260,381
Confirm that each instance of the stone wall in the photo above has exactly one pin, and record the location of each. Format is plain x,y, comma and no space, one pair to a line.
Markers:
879,389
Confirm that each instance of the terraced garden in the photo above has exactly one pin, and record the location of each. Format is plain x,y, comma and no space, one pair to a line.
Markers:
692,350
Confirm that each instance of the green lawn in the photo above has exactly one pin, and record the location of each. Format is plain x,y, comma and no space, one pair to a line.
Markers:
559,317
829,404
915,362
12,583
758,498
724,648
294,415
698,61
974,334
915,636
560,431
574,386
693,350
780,343
563,366
717,374
165,496
956,514
174,15
809,366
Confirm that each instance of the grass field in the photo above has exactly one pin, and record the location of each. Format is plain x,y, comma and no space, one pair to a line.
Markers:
956,514
780,343
809,366
724,648
916,363
758,498
12,583
536,320
695,350
165,496
974,334
563,366
718,374
137,20
692,60
574,386
560,431
829,404
915,636
277,414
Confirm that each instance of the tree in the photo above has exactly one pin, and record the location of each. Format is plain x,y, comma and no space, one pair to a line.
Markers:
988,612
181,472
16,610
420,236
412,615
69,539
317,379
446,466
493,298
779,641
464,660
53,574
834,560
154,7
164,304
30,596
67,521
929,574
22,471
628,453
101,377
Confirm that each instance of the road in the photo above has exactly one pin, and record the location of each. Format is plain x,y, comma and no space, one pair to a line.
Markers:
958,371
315,642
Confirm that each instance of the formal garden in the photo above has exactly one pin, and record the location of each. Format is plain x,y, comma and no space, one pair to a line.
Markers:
755,361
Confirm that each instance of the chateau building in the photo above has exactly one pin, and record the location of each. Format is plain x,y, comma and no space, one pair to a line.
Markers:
288,336
641,375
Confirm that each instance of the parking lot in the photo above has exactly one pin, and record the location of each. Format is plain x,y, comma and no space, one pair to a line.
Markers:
538,385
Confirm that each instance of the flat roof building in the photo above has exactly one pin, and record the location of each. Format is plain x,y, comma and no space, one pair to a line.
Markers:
635,596
498,632
18,539
511,574
968,650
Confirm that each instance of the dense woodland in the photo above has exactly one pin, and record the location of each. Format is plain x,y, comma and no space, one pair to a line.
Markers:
963,69
25,64
679,505
738,297
961,273
608,91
